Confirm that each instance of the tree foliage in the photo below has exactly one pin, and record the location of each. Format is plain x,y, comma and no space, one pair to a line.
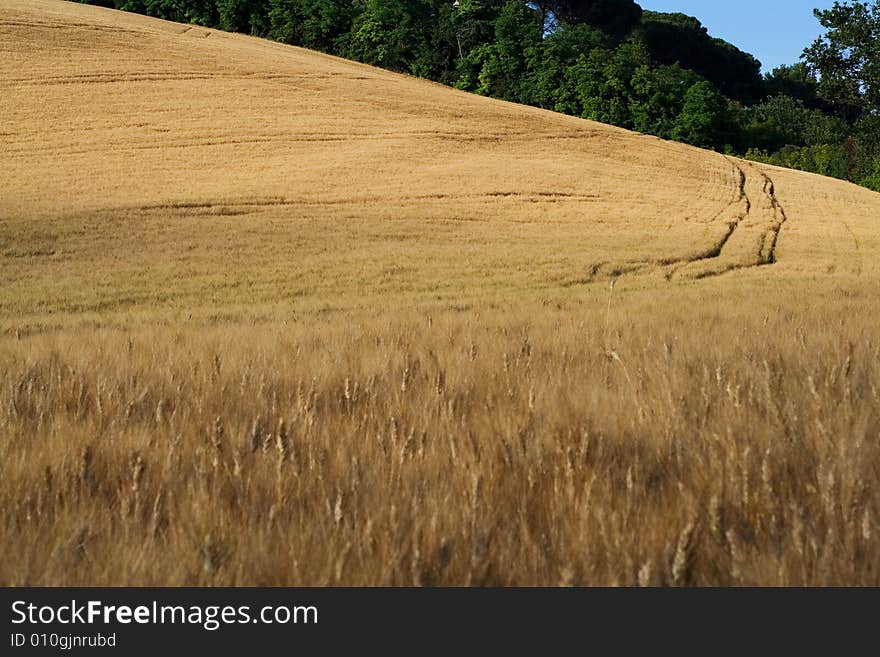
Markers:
683,40
614,17
847,57
796,81
705,119
316,24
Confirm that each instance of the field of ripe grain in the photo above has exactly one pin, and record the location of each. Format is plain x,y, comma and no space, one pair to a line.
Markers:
268,317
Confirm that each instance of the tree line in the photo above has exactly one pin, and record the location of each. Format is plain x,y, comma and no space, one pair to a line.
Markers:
606,60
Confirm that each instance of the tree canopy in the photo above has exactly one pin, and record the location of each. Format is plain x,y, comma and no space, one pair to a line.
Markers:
683,40
847,57
614,17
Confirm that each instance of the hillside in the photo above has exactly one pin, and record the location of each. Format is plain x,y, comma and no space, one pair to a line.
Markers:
270,317
147,162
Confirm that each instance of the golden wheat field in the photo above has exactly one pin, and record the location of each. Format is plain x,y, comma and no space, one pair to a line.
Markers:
268,317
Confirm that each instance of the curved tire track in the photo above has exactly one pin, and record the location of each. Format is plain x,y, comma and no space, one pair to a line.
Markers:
754,222
754,239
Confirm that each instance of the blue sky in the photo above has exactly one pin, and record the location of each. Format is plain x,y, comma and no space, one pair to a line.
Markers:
774,31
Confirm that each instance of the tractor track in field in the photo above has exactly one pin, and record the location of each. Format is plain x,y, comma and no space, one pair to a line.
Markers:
762,214
771,238
755,209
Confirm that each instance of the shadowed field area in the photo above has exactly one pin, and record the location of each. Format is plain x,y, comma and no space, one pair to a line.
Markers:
270,317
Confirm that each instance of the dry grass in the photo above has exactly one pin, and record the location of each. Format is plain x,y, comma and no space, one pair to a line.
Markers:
268,317
507,446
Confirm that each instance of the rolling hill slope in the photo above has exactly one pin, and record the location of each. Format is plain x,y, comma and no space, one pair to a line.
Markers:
148,163
268,317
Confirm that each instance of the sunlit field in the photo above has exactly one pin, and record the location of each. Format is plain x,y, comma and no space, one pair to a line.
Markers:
269,317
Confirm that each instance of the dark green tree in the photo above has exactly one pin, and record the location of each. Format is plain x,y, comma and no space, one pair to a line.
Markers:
786,121
683,40
463,29
867,132
706,119
390,33
796,81
317,24
847,57
501,67
247,16
658,98
599,85
614,17
201,12
557,52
